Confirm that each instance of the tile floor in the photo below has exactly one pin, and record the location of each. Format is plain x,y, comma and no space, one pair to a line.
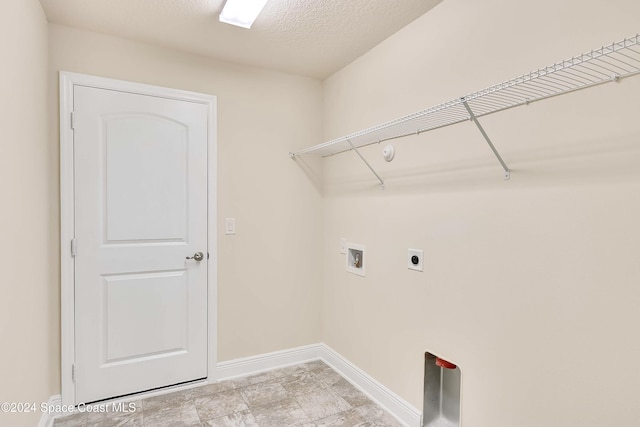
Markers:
306,395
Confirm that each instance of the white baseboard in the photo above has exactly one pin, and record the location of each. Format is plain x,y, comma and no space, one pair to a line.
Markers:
46,420
265,362
388,400
391,402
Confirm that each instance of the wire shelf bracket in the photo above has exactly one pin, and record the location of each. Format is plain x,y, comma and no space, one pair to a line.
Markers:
610,63
366,163
507,172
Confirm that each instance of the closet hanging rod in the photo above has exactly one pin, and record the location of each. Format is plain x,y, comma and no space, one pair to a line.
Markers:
608,63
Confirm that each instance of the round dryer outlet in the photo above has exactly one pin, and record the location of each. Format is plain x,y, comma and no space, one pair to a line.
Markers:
415,259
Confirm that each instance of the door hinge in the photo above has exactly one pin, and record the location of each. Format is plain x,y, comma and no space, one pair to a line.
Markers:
74,247
72,124
73,372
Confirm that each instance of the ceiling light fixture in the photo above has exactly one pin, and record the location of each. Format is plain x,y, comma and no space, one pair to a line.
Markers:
241,12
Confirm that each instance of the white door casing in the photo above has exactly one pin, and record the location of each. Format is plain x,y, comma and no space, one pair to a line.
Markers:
142,316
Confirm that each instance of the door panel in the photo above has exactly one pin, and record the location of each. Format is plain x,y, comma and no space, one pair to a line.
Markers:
136,188
134,306
141,209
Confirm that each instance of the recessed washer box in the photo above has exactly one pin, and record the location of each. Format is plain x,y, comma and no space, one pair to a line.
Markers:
356,257
442,385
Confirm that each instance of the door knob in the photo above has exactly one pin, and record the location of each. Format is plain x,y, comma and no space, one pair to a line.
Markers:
198,256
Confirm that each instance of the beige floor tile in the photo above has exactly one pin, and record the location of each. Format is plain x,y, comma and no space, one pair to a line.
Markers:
209,389
302,383
316,364
220,404
322,403
377,415
286,413
257,378
75,420
348,392
292,370
164,400
239,419
262,394
117,420
306,395
176,414
327,375
349,418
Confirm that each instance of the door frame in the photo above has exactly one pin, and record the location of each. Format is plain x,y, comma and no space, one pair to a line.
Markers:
67,213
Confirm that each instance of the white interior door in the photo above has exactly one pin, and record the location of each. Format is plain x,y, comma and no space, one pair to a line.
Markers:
140,165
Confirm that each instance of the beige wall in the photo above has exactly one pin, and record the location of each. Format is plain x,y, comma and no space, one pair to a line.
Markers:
531,285
27,295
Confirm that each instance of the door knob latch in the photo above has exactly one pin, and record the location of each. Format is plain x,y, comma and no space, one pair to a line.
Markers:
198,256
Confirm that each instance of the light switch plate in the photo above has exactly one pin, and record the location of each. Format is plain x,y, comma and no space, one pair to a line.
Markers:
230,226
343,246
411,261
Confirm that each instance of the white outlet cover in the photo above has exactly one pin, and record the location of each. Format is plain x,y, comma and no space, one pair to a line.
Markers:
343,246
420,254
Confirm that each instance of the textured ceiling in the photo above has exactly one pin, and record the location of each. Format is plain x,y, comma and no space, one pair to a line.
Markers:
307,37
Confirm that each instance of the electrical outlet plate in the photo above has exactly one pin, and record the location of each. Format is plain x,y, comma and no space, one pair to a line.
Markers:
419,266
343,246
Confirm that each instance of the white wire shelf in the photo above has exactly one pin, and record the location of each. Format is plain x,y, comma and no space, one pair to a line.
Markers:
608,63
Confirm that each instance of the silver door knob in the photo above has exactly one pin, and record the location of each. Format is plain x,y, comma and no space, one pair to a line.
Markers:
198,256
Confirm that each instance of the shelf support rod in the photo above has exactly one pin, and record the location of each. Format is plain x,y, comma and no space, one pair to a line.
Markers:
353,147
507,172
